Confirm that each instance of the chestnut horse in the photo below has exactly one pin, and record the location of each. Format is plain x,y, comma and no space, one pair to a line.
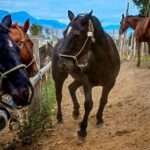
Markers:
20,36
141,25
90,56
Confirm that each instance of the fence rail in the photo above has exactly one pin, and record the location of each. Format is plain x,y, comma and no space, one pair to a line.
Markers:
34,80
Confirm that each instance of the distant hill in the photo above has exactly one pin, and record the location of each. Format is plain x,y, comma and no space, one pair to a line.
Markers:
21,16
111,27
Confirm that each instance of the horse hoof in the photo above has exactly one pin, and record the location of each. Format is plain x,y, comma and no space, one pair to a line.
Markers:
100,123
75,115
59,119
10,146
138,65
82,134
27,140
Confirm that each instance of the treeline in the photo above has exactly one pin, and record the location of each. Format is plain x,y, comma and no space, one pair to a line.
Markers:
144,6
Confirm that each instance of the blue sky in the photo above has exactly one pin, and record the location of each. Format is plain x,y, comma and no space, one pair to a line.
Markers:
107,11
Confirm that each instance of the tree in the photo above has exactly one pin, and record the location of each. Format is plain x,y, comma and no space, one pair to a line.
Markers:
144,6
36,29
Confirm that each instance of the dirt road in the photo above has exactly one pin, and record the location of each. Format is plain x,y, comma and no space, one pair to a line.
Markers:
127,117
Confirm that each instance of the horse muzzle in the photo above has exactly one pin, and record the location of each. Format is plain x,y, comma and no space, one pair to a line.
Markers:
66,63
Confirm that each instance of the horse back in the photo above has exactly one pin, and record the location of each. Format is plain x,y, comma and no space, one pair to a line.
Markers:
142,31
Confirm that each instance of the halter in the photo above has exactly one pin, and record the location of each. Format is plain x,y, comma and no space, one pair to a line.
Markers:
5,74
90,35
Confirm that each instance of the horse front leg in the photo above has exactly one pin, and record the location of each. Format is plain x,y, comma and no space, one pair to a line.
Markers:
139,53
59,79
72,89
103,102
149,48
88,104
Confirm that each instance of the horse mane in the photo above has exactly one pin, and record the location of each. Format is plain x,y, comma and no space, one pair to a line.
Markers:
99,31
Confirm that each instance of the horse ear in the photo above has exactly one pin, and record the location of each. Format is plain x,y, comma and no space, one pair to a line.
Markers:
87,17
7,21
122,16
90,13
26,25
71,15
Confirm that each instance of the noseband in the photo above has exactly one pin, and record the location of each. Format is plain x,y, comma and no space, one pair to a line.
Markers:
90,35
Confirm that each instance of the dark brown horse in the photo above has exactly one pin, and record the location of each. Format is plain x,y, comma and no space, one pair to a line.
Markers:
141,25
90,56
45,54
20,36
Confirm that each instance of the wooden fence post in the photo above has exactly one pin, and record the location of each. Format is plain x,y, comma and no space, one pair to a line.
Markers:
35,106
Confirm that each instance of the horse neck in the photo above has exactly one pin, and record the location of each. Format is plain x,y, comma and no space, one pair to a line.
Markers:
100,46
99,33
133,22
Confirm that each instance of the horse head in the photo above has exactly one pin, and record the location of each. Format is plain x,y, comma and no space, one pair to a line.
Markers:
20,36
77,40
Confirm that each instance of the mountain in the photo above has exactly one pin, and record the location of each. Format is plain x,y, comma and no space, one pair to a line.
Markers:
111,27
21,16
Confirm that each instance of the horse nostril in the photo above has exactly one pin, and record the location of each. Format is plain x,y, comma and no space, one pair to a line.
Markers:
24,93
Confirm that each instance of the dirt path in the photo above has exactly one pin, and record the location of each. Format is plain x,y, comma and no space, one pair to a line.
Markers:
127,118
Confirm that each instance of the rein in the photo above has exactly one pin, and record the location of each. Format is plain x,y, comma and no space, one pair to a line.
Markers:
89,35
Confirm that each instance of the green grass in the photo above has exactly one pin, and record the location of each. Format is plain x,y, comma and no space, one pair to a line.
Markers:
43,118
